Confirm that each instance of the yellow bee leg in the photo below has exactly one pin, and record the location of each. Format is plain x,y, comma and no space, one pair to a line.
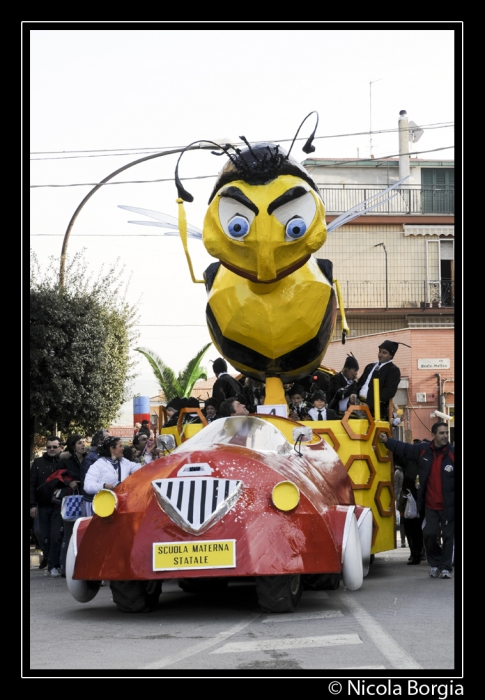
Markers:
343,320
183,236
275,392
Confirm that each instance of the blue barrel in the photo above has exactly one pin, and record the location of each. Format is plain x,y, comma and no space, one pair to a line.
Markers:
141,404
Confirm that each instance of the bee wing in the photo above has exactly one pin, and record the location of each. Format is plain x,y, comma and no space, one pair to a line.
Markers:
365,206
166,221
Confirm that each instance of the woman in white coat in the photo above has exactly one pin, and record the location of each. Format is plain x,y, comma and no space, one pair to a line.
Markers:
110,469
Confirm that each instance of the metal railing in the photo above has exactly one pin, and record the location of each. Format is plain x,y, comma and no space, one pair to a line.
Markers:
404,294
409,200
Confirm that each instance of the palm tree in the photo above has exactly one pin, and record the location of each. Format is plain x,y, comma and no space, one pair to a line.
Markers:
171,385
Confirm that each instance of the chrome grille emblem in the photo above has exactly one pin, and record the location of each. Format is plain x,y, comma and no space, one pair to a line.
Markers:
195,504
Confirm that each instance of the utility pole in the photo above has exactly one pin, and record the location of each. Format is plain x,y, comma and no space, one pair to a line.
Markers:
370,113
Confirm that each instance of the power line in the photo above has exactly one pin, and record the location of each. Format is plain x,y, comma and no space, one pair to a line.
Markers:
203,177
126,182
110,152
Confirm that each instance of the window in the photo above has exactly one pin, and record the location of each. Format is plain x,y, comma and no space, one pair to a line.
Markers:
440,272
438,190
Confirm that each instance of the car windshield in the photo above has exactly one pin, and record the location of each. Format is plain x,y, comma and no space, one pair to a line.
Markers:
246,431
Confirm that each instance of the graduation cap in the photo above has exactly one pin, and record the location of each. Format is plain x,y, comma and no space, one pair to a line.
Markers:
391,346
351,362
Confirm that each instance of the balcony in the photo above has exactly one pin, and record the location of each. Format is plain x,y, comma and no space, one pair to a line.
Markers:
400,295
409,200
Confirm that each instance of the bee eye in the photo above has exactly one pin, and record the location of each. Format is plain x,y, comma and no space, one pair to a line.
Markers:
238,227
295,228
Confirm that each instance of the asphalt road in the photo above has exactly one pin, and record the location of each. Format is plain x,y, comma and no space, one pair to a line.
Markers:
401,623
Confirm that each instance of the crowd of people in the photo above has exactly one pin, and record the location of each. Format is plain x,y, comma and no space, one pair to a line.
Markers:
424,469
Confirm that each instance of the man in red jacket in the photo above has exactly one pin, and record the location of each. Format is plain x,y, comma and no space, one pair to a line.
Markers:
436,494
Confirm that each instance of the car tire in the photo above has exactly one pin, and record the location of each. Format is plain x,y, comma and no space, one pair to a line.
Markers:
321,582
208,586
136,596
279,593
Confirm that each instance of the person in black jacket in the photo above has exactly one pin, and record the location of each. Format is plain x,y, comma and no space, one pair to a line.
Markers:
320,410
145,428
435,484
76,447
342,385
389,377
225,386
48,513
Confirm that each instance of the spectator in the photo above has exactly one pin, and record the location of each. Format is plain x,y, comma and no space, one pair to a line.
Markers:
398,479
435,483
342,385
225,386
145,428
91,457
389,377
77,449
413,527
320,410
131,454
47,513
110,469
147,448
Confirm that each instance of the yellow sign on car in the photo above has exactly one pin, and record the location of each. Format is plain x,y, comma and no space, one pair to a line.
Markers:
206,554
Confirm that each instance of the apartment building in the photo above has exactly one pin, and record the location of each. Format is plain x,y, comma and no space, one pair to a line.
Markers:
395,263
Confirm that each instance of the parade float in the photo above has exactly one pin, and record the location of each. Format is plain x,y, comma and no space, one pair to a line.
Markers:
287,505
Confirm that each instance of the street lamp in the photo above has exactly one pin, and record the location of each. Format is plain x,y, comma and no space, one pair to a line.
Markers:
387,280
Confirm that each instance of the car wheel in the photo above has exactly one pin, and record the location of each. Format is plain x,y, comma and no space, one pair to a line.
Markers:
209,586
321,582
136,596
279,593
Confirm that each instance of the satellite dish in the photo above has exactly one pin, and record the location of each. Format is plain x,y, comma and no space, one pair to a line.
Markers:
415,132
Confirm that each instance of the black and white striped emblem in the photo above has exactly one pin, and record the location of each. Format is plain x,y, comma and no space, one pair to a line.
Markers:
195,504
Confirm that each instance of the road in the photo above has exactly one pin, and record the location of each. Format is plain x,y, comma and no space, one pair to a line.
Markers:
385,626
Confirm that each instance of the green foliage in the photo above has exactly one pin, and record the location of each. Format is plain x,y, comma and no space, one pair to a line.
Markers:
171,385
80,339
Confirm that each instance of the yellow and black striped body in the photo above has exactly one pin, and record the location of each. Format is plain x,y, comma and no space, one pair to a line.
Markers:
278,330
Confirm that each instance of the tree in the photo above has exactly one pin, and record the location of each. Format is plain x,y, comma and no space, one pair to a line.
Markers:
171,385
80,339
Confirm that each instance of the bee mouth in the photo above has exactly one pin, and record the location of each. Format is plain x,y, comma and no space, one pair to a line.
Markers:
253,278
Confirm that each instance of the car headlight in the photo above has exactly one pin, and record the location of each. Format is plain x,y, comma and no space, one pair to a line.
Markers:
285,495
105,503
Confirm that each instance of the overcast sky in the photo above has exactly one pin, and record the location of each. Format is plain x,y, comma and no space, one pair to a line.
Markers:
101,98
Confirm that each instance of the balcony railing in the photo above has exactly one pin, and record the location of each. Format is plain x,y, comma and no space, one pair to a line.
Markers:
372,295
409,200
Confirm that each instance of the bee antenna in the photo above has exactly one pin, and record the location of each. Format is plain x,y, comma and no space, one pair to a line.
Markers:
308,147
243,138
182,192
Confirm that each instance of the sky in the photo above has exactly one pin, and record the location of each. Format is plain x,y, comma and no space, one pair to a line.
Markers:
100,98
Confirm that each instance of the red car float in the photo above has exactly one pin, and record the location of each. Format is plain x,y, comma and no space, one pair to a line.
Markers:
259,497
